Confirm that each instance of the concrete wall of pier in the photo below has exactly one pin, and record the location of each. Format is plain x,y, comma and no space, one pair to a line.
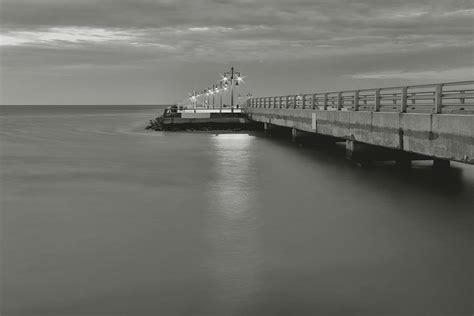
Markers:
442,136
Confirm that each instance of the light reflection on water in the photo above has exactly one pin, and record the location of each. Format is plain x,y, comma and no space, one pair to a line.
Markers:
234,221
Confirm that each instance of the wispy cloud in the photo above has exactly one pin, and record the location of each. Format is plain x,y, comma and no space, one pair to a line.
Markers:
330,40
440,75
65,36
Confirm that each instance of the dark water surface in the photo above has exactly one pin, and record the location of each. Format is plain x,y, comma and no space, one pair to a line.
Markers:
99,217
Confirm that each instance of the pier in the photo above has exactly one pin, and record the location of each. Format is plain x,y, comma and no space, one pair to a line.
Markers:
434,121
174,119
401,124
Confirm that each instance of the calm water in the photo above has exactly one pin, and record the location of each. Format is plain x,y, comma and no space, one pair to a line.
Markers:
99,217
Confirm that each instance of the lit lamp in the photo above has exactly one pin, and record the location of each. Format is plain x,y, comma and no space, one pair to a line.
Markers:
235,78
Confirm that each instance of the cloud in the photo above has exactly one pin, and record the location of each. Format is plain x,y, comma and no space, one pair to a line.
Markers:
373,39
64,36
465,73
199,29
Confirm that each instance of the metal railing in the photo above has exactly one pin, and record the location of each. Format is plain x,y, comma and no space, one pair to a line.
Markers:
451,97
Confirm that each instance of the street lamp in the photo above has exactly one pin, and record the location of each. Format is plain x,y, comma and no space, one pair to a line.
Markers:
213,92
193,98
231,77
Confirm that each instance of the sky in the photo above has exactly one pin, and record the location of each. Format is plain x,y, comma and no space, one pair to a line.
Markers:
159,51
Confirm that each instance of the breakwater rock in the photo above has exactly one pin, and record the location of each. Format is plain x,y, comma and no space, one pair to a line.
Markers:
156,124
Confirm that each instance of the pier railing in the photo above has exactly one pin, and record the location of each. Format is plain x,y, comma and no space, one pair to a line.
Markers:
451,97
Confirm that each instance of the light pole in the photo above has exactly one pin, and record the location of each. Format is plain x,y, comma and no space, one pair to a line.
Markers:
216,91
232,76
213,91
208,97
194,100
220,94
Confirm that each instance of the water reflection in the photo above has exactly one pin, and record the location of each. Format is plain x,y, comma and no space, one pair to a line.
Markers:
234,222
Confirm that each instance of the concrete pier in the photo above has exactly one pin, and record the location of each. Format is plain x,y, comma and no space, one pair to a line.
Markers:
440,130
203,120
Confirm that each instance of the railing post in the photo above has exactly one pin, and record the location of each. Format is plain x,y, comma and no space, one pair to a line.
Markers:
403,105
339,101
438,98
377,100
356,100
325,104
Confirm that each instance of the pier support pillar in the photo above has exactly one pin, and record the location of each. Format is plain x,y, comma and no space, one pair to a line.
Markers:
441,163
266,127
365,154
296,134
356,151
270,128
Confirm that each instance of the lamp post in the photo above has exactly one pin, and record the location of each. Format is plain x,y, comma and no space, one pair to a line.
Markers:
194,100
231,76
221,91
216,91
213,92
208,92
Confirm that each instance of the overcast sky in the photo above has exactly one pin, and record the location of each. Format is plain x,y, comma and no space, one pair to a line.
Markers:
156,51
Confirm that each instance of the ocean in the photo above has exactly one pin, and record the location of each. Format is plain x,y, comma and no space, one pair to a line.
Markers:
101,217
